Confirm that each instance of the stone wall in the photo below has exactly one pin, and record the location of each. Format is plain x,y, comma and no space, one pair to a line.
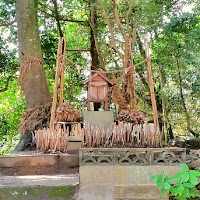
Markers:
113,174
38,164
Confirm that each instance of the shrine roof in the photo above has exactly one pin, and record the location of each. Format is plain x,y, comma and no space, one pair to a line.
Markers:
98,74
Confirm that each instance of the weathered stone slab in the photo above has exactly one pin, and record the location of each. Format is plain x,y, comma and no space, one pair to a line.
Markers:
67,163
73,147
124,181
96,192
139,192
96,118
28,160
122,175
37,164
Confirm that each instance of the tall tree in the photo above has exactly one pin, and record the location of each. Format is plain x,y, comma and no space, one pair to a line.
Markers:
32,76
183,100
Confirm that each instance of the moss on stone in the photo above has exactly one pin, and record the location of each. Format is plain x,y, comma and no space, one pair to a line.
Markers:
1,196
61,191
37,192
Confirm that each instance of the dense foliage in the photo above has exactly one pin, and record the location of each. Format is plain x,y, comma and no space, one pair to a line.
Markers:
172,28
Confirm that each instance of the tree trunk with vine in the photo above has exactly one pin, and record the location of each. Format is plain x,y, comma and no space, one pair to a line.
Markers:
32,76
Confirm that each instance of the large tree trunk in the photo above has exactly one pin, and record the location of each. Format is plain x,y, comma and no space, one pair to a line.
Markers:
183,100
32,77
93,49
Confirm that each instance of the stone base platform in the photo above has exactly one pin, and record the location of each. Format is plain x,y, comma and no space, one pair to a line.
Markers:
38,164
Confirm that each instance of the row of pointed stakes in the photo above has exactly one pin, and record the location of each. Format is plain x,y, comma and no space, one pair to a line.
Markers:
121,135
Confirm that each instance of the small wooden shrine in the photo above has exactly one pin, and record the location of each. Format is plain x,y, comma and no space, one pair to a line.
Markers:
98,87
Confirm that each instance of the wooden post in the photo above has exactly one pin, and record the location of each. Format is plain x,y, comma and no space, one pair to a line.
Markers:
150,76
62,70
88,105
106,106
59,64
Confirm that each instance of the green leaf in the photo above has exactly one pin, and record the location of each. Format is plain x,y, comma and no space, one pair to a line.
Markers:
163,191
176,175
194,192
184,167
167,179
180,189
159,181
188,185
193,179
186,192
153,178
166,186
181,178
186,177
173,190
194,172
177,184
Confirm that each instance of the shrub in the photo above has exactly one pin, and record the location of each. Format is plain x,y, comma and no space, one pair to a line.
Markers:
182,185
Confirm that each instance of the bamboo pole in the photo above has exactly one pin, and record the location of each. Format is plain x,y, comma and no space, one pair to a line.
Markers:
62,70
150,76
55,93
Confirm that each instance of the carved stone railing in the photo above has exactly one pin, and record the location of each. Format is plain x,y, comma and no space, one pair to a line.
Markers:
193,156
132,156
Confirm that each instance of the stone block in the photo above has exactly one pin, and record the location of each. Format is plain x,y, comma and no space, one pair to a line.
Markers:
96,174
96,192
37,164
28,164
74,139
139,192
96,118
122,174
67,162
73,147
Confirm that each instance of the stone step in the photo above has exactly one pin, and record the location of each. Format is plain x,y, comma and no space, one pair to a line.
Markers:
138,192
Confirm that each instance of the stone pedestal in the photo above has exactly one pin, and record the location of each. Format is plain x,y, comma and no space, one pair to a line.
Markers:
74,144
96,118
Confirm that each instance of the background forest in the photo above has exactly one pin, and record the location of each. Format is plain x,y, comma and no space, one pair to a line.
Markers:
173,31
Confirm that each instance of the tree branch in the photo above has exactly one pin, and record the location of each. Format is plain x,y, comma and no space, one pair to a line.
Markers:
73,20
113,41
7,84
127,15
92,25
57,17
62,18
47,14
8,23
77,49
117,19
